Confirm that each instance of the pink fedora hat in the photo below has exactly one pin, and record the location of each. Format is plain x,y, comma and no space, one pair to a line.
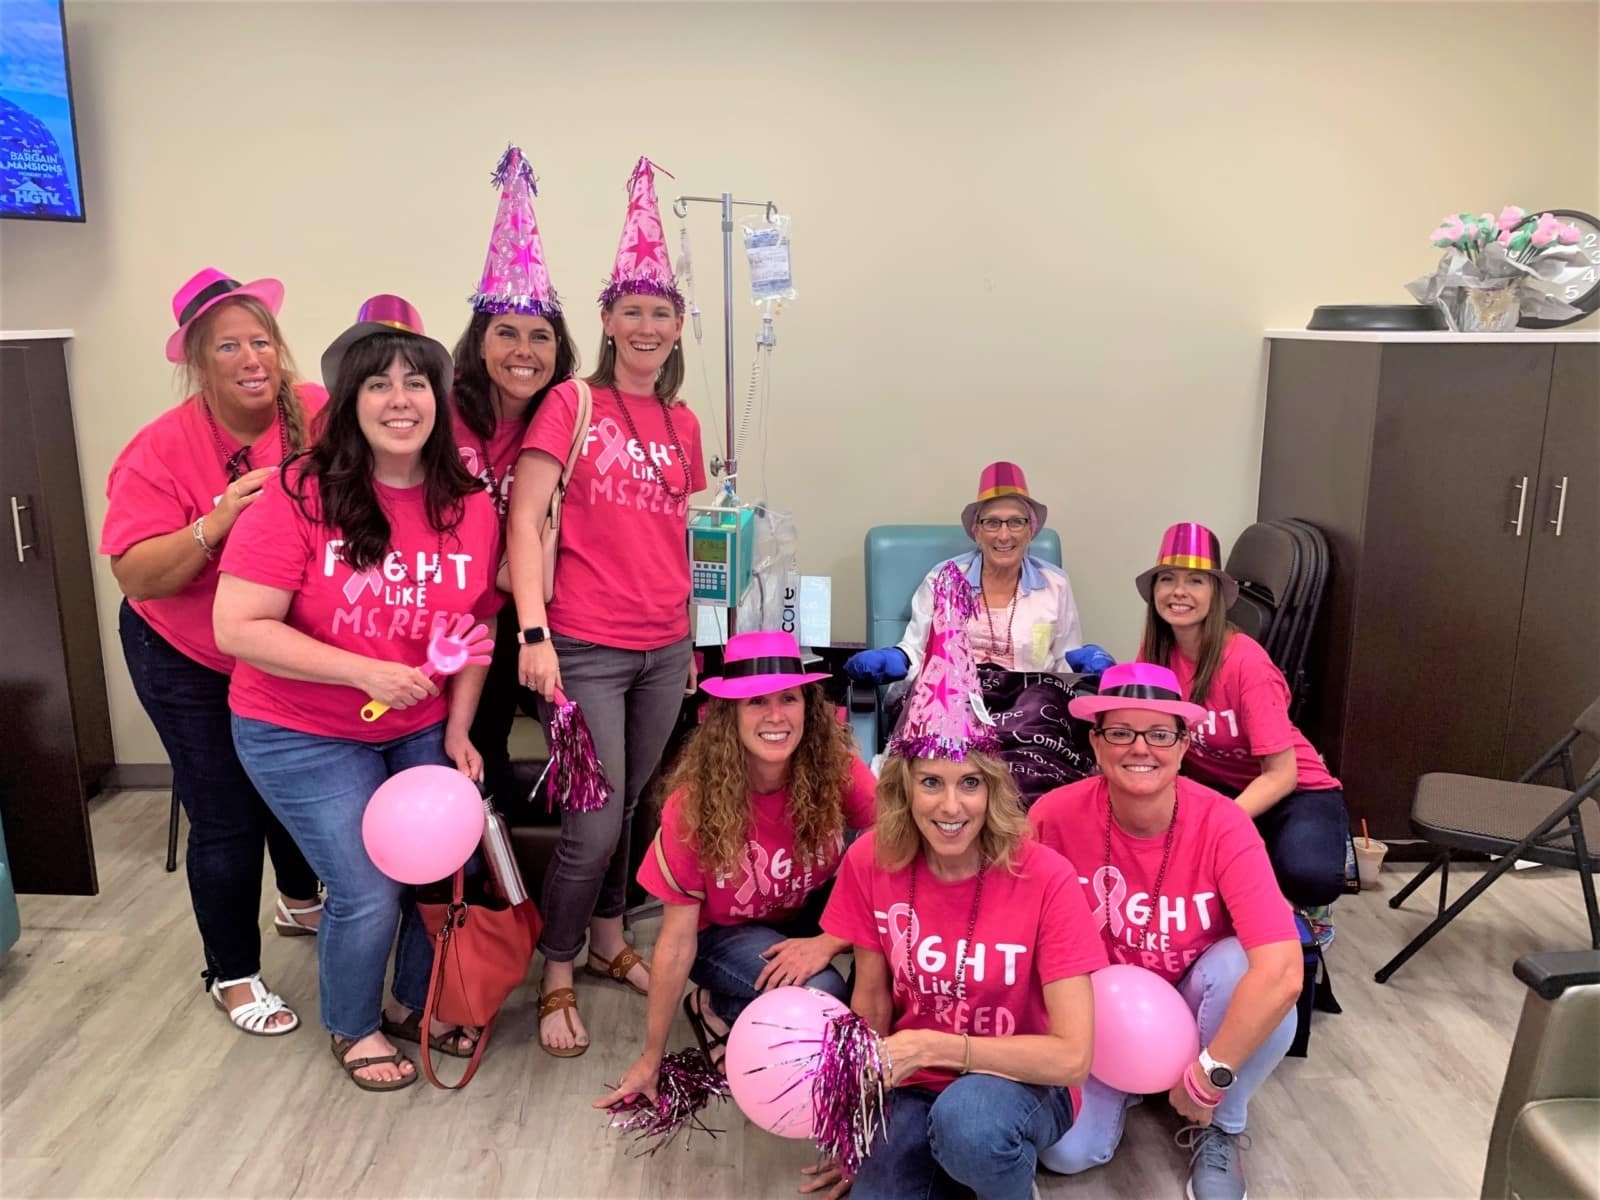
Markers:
758,664
1137,685
207,289
1189,546
385,314
999,481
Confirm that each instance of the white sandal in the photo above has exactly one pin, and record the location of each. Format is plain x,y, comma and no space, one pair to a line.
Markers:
286,925
255,1015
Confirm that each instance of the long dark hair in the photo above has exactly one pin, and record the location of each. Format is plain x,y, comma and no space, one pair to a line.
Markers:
473,394
1159,640
340,461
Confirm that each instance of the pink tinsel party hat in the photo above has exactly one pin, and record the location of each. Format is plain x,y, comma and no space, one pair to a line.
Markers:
515,278
642,267
941,717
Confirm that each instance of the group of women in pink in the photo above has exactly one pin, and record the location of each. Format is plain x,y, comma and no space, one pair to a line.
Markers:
287,552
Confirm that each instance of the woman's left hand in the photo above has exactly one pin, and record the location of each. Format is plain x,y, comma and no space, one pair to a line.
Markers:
1186,1107
792,962
907,1054
825,1174
464,754
694,677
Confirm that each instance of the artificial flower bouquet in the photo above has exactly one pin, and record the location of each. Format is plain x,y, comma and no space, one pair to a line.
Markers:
1496,269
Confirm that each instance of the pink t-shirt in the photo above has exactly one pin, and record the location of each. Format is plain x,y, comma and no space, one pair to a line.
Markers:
769,885
1247,718
1033,928
389,612
1219,881
170,475
623,575
494,462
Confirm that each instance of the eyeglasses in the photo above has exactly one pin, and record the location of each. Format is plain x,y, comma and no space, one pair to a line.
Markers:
993,524
237,464
1157,738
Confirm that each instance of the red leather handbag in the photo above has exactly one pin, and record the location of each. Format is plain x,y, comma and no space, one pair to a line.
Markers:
483,947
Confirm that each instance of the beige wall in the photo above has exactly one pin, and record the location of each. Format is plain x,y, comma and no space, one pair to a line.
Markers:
1051,233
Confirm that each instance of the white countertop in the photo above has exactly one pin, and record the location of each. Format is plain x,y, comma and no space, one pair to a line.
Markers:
33,335
1440,335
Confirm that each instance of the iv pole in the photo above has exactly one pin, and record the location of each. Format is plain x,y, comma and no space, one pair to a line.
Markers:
729,465
680,208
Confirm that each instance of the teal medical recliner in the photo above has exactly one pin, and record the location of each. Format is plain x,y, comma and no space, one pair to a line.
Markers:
898,558
10,923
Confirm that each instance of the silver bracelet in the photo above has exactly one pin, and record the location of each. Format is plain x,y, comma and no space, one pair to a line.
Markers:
199,531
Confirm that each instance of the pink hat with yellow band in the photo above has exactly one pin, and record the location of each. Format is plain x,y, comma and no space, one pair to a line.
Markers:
385,314
1190,546
1002,481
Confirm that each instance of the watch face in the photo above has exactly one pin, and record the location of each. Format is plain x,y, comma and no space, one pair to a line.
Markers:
1221,1077
1578,281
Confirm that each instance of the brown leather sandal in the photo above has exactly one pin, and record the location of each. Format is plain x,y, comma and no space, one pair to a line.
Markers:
617,969
341,1047
564,1001
448,1042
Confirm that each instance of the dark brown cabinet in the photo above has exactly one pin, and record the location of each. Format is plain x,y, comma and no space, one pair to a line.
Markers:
57,723
1459,484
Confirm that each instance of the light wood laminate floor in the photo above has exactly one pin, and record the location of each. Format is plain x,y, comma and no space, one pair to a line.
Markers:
119,1078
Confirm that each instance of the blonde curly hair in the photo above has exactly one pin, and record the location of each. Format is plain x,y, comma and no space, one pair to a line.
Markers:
715,782
1005,825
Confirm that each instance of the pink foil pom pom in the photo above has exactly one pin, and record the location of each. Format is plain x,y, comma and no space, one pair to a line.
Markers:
847,1093
687,1085
576,778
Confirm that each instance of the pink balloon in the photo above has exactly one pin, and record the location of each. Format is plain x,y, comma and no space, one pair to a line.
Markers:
1144,1034
422,823
772,1050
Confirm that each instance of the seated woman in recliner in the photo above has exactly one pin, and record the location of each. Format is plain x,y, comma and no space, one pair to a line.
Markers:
1025,636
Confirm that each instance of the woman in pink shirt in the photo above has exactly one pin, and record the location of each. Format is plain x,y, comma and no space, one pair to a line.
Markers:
514,350
332,587
614,636
1181,886
1244,744
973,950
750,838
173,496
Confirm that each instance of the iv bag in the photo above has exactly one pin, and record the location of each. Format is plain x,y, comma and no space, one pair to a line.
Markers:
766,246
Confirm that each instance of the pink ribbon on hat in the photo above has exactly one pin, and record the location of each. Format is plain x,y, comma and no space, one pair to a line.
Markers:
1111,897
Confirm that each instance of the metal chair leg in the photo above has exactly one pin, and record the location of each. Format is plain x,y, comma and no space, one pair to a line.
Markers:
172,833
1504,864
1416,881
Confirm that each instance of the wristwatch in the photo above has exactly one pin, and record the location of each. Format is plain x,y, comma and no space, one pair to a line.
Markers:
533,636
1220,1074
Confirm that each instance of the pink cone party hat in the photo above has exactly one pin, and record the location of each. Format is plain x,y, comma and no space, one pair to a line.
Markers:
942,713
515,278
642,267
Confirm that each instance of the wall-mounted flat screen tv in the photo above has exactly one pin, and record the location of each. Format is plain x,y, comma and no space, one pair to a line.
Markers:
39,175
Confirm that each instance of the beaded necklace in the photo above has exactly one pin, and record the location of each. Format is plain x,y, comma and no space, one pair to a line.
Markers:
236,464
972,927
677,446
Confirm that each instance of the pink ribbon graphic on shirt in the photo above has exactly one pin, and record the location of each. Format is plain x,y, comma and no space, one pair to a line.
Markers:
361,581
756,860
904,929
613,445
1111,890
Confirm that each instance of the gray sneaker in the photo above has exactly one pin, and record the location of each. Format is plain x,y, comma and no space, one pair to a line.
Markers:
1215,1172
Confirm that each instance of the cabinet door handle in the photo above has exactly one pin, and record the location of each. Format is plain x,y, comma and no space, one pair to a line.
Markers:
16,528
1522,503
1561,505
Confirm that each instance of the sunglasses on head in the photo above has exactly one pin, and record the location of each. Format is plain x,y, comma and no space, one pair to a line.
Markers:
238,464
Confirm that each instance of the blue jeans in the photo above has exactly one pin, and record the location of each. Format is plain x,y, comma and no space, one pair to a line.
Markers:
728,960
1208,989
319,788
229,824
1305,833
981,1133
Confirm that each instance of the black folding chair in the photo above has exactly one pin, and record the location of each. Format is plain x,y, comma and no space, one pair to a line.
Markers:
1466,812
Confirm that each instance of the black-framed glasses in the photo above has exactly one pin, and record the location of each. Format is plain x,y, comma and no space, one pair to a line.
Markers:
1157,738
993,524
237,464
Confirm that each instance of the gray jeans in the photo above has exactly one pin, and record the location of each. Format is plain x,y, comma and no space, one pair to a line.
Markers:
630,700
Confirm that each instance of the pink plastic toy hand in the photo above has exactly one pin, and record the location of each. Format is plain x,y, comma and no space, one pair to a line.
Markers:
448,653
